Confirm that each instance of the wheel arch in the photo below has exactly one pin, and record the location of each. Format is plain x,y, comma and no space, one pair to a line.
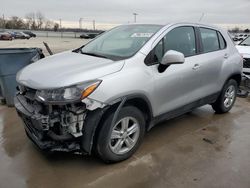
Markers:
143,104
139,101
237,77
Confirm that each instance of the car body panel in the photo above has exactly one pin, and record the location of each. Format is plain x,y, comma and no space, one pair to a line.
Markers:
244,49
245,52
66,69
178,85
109,91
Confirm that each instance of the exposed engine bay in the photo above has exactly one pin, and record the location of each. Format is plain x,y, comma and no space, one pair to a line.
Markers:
54,127
66,119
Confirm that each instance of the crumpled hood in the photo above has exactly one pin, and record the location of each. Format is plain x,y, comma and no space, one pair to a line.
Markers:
65,69
245,50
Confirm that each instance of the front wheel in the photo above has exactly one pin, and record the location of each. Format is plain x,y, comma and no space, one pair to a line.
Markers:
226,100
119,141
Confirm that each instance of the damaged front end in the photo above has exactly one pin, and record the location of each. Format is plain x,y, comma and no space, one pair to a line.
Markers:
57,127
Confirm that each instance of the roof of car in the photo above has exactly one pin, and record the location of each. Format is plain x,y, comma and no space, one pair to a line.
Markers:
179,23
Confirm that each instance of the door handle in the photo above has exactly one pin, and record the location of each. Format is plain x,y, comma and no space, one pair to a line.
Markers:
226,55
196,66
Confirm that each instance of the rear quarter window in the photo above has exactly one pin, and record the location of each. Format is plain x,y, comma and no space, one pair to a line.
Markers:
222,41
209,40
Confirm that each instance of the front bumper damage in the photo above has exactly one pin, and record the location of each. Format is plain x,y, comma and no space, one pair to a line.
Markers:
67,128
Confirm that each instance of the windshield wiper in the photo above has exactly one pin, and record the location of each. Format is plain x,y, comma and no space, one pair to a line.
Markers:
94,54
245,44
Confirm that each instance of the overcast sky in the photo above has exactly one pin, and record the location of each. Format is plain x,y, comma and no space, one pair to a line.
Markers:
120,11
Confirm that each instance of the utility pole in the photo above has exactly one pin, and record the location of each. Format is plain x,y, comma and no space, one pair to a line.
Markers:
60,20
3,22
94,24
80,23
60,23
202,15
135,14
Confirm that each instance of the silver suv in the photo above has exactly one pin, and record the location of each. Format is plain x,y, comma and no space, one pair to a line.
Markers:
105,95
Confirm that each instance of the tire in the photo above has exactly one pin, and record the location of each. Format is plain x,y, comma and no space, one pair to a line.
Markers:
221,105
108,149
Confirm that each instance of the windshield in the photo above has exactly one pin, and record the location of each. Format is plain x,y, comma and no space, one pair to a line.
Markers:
121,42
245,42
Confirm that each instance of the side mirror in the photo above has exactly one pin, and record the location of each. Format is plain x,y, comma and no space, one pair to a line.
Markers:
169,58
172,57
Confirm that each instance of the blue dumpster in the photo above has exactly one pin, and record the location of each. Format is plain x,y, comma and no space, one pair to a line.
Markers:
11,61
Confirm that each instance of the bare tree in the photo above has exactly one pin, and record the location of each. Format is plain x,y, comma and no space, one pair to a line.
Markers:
2,25
49,24
236,30
31,20
40,19
56,27
15,23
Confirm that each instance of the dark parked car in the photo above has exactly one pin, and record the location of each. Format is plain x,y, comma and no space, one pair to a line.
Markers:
84,36
21,35
89,35
12,34
29,33
235,39
5,36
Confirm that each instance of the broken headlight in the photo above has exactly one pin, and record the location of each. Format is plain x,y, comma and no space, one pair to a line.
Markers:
67,94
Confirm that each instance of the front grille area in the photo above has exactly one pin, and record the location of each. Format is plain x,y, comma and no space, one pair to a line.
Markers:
50,127
28,92
246,63
29,95
29,125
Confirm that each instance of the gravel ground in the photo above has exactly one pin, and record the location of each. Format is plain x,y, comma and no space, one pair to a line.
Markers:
55,44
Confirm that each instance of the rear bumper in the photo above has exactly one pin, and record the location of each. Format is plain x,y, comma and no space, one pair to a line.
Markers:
34,128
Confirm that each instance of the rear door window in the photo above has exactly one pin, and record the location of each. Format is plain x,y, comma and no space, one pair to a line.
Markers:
209,40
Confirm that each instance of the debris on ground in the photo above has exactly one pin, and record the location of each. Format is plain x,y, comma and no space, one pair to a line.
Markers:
208,140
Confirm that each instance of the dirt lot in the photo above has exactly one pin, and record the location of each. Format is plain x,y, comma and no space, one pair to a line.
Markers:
56,44
199,149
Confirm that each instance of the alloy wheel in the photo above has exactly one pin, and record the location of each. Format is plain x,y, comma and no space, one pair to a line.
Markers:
229,96
124,135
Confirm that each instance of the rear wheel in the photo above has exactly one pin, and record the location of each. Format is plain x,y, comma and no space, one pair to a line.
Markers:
226,100
119,141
